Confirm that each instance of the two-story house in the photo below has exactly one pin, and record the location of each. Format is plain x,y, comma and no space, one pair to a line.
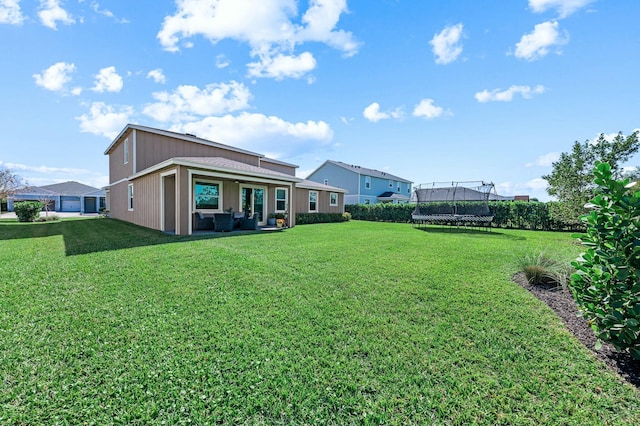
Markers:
165,180
363,185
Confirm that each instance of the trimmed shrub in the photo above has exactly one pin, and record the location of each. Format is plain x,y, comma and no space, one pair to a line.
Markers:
607,282
506,214
27,211
307,218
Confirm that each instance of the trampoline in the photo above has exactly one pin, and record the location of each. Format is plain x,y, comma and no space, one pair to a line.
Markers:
454,204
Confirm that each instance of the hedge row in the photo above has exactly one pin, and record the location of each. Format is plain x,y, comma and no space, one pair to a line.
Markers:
307,218
507,214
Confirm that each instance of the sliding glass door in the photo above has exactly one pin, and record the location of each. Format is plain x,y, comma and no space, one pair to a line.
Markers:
252,201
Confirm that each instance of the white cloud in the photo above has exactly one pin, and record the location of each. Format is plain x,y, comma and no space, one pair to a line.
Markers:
280,66
51,13
545,160
563,7
51,174
446,44
55,77
267,26
105,120
45,169
157,75
222,61
108,80
537,44
10,12
428,110
496,95
188,102
261,133
373,113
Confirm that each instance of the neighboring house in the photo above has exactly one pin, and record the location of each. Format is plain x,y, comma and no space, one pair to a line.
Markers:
166,180
63,197
364,186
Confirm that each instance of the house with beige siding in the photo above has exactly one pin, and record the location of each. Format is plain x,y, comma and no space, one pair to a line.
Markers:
172,182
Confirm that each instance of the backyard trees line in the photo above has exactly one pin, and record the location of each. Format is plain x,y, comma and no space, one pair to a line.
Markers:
571,180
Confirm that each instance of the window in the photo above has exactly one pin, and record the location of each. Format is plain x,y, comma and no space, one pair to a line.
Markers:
281,199
367,182
130,196
313,201
408,189
326,181
333,199
207,195
398,186
126,151
366,201
390,183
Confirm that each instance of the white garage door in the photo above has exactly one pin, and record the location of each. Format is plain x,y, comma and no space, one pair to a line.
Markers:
70,206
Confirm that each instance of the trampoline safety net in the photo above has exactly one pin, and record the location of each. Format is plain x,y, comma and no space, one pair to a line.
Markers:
453,204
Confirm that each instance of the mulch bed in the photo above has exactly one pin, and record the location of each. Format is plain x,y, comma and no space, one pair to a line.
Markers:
562,302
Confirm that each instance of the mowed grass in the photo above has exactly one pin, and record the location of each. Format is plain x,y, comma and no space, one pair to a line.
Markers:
102,322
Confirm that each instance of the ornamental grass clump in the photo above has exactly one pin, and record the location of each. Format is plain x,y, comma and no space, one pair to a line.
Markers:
539,269
607,282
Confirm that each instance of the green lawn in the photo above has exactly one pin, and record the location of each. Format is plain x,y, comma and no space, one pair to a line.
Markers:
103,322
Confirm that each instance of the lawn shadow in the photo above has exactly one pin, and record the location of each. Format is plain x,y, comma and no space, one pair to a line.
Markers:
83,236
464,230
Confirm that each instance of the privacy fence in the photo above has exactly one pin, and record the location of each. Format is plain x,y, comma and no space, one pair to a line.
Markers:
507,214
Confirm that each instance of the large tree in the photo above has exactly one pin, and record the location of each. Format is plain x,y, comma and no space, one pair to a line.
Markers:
9,182
571,179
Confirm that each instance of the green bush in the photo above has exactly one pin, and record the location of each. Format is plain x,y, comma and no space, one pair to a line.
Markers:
607,282
27,211
307,218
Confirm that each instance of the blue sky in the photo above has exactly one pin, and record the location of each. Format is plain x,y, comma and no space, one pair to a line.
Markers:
460,90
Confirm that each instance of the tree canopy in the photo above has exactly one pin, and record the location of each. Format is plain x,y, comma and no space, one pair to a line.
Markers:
9,182
571,179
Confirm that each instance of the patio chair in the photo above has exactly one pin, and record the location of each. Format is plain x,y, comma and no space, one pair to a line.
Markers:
202,222
223,222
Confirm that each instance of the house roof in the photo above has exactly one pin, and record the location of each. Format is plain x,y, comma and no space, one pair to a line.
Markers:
309,184
393,196
70,188
365,171
220,164
35,190
190,138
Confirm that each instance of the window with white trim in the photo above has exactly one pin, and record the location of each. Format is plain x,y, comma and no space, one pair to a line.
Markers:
206,195
126,151
390,183
326,181
399,187
282,194
367,182
333,199
313,201
130,197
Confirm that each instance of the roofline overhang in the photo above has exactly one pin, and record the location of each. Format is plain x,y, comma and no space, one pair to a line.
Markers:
320,188
234,172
